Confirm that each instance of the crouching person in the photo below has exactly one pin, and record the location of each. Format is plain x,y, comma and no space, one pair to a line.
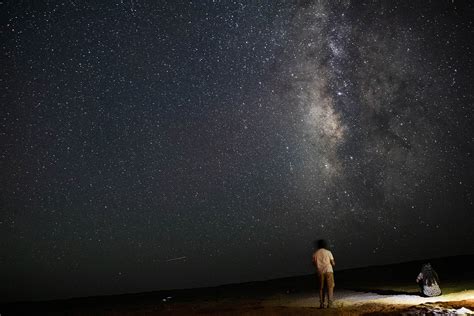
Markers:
428,281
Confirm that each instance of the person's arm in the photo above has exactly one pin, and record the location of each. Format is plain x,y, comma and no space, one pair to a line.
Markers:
419,277
333,262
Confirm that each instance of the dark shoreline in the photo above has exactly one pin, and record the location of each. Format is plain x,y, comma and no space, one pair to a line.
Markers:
382,279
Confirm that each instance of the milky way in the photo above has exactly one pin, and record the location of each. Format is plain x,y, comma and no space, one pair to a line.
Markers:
374,119
151,146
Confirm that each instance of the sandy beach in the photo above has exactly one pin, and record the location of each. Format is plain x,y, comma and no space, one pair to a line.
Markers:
365,291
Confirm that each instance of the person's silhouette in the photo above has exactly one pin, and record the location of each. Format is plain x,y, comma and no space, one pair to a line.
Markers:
428,281
323,260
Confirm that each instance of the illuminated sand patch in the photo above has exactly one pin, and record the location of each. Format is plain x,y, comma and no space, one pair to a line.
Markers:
404,299
352,298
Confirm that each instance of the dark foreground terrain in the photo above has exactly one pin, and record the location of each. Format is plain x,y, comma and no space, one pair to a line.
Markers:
370,291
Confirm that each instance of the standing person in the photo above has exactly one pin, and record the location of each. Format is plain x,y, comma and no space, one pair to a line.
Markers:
428,281
323,260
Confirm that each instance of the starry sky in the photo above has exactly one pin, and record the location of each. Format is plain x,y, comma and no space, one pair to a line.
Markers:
173,144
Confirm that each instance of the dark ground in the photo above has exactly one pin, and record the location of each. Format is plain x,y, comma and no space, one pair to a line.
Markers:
456,273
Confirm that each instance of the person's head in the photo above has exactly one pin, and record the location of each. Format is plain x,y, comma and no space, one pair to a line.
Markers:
426,268
322,244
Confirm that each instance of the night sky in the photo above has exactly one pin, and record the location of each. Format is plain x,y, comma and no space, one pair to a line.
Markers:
154,145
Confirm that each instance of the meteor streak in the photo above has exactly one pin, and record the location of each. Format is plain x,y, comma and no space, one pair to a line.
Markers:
176,259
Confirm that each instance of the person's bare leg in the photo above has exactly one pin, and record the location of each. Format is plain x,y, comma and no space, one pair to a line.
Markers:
321,298
330,295
321,290
330,283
